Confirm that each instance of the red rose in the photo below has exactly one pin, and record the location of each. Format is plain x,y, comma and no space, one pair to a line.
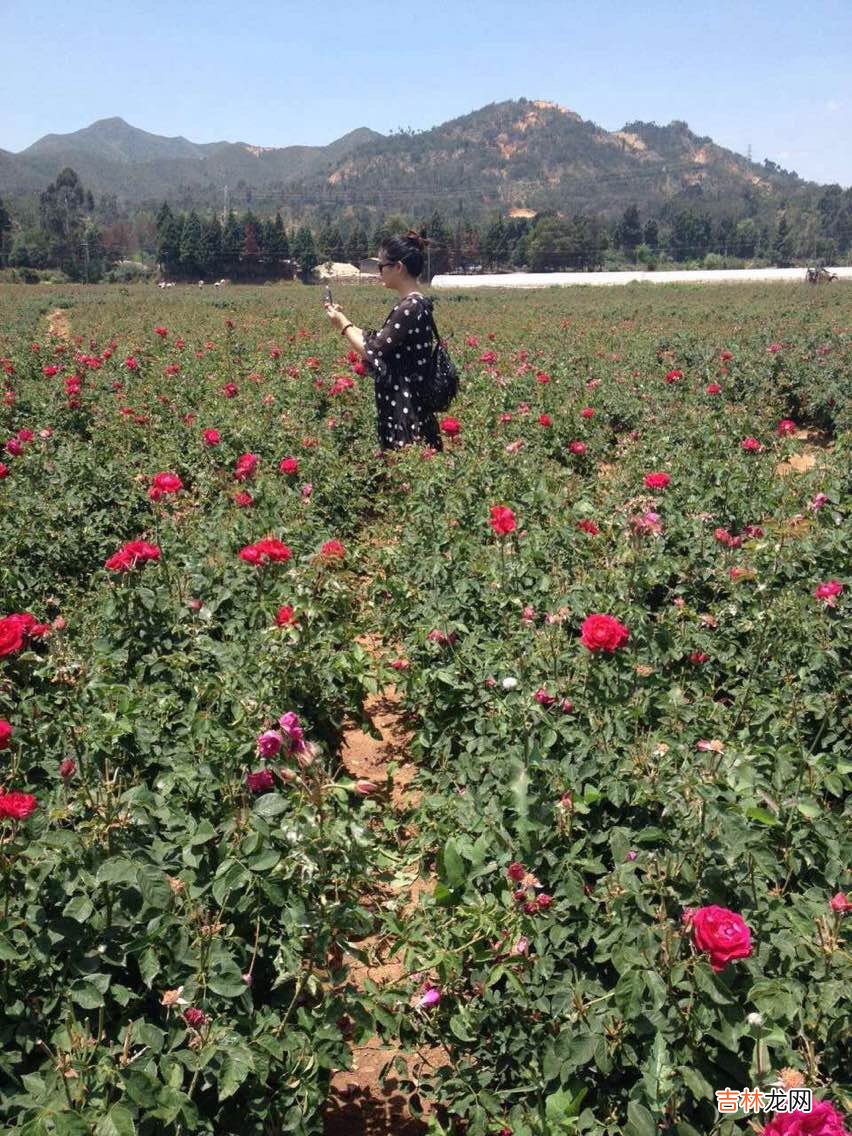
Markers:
578,448
822,1120
589,527
67,768
713,388
720,933
195,1018
288,465
603,633
332,550
4,470
673,376
16,806
211,437
5,733
273,548
245,467
165,483
828,592
786,426
502,519
11,636
840,903
516,871
587,412
751,445
161,331
260,782
244,500
285,615
451,427
657,480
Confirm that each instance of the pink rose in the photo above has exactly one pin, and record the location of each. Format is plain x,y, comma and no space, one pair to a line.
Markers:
822,1120
720,933
269,743
603,633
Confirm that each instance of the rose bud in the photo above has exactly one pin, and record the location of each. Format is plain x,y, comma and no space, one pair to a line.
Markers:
365,788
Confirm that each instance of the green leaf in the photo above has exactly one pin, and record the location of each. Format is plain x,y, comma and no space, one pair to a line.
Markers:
154,887
460,1029
453,865
79,908
117,1122
236,1066
639,1121
117,870
560,1106
761,815
87,995
270,805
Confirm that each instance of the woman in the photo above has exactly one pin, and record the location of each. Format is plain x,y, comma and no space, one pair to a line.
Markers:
398,354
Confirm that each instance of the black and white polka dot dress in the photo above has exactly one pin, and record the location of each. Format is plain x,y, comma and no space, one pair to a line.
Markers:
398,357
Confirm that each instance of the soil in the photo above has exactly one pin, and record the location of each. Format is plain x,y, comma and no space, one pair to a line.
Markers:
360,1103
57,324
812,442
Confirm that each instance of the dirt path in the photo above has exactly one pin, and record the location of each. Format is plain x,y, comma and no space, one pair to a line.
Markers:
359,1104
57,324
813,442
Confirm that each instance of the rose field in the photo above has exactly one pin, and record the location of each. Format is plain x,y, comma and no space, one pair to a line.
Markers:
600,869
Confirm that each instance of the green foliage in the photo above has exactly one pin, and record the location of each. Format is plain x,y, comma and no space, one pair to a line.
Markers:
706,762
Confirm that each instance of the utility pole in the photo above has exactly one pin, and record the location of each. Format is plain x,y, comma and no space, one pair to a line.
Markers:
225,207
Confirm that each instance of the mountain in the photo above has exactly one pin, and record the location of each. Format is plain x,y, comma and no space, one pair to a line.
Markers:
111,156
533,155
518,156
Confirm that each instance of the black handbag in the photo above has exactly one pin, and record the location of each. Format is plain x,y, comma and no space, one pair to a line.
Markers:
442,377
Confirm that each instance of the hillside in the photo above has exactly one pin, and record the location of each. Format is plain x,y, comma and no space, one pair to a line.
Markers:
114,157
536,155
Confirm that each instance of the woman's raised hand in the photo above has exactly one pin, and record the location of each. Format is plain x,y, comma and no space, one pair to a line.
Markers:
336,315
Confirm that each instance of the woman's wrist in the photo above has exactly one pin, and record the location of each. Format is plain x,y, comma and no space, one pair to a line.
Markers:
343,330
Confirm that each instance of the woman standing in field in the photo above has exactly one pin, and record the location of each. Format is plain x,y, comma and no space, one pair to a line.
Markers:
398,354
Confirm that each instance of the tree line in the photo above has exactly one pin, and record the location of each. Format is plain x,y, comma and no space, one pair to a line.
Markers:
86,239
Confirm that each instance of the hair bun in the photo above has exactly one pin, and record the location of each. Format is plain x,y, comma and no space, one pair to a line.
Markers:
416,238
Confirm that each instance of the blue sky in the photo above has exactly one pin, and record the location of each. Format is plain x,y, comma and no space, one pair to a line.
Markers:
776,75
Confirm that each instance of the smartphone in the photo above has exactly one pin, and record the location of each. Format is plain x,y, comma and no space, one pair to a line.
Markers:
327,295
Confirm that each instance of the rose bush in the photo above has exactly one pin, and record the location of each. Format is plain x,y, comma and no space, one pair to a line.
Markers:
188,870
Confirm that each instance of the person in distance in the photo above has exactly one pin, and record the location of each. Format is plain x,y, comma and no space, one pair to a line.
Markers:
398,354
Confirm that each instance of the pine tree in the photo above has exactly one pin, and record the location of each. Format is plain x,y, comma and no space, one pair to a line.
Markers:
305,251
782,246
232,241
192,245
168,242
629,231
356,246
211,241
494,247
651,234
252,248
5,230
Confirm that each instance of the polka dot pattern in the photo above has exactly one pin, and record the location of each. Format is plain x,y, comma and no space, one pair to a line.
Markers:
401,417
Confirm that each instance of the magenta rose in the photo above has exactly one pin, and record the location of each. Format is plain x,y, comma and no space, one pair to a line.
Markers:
822,1120
720,933
603,633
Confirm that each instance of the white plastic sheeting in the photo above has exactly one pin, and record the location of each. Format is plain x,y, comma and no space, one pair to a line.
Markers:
680,276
